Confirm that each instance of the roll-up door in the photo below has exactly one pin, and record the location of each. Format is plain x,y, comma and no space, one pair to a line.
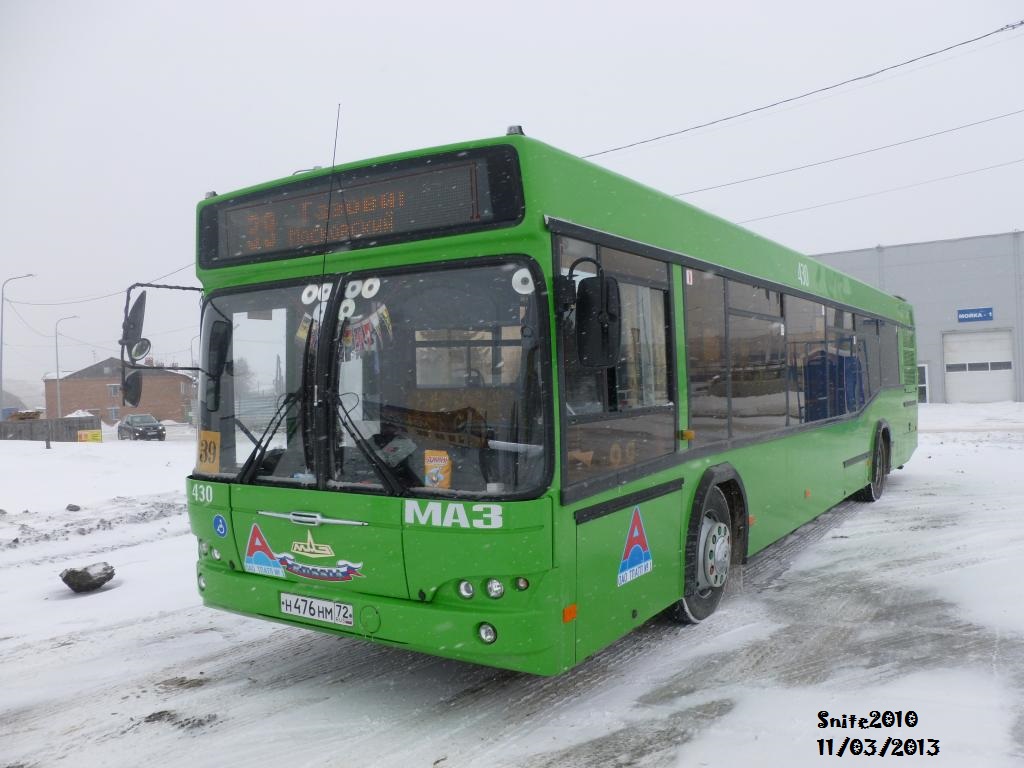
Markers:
979,367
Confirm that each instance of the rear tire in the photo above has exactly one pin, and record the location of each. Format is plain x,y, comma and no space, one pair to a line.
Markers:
879,471
714,555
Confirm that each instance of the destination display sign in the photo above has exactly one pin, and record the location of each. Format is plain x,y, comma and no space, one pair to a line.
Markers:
407,200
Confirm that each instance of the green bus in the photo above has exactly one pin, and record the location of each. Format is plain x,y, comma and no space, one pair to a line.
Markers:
492,402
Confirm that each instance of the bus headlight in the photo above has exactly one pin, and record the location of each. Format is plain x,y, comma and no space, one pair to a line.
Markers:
466,589
495,589
216,553
487,633
522,584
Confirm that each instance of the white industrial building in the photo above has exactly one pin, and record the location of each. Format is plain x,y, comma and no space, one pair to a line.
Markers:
968,298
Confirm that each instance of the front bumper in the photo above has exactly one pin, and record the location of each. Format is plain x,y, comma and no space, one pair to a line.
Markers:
533,640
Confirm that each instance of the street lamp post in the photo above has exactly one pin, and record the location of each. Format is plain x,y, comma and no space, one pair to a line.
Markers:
56,349
2,304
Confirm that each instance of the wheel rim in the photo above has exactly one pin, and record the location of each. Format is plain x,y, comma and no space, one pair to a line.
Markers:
715,552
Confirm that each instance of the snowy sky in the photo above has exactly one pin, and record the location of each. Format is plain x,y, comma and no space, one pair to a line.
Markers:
120,115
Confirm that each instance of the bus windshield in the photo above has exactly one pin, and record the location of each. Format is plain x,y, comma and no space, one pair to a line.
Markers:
429,380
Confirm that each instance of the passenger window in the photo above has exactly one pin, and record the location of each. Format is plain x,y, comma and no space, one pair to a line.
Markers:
757,374
890,354
624,415
755,299
867,332
805,345
706,367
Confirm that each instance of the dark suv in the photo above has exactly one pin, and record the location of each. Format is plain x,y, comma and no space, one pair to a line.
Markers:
140,426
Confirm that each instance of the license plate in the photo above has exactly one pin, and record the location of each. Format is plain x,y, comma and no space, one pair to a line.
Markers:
321,610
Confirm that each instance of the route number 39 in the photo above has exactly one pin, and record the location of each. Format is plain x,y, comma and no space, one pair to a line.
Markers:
209,452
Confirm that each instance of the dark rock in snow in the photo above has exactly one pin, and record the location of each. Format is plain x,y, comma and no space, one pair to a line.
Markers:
73,508
88,578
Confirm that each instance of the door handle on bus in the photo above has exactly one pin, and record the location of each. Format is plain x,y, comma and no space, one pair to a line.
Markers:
309,518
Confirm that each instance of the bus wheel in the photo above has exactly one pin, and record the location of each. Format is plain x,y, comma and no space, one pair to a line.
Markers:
879,469
714,553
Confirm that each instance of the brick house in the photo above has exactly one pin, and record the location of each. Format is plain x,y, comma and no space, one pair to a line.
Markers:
168,395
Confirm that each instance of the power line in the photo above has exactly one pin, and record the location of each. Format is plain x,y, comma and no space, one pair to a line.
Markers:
49,336
25,322
848,156
94,298
189,328
1006,28
883,191
93,345
49,344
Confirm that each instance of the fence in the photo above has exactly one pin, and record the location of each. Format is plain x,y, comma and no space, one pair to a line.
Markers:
56,430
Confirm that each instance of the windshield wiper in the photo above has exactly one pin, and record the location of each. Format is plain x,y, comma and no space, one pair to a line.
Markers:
245,430
260,450
389,479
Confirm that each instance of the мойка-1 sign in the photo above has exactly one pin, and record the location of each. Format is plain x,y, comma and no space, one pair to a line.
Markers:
974,315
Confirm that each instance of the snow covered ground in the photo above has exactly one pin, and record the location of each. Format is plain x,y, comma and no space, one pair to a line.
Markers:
913,603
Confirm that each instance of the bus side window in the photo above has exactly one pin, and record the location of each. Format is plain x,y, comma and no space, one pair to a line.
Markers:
622,415
867,331
889,352
806,353
706,364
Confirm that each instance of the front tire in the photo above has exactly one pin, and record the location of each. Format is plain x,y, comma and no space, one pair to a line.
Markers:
714,555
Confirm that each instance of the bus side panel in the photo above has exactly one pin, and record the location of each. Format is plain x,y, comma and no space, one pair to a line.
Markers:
628,569
859,443
888,407
791,481
905,437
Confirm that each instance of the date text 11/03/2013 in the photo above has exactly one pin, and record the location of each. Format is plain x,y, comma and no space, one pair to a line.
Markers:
891,747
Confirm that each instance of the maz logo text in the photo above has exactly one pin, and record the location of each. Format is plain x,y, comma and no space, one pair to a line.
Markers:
453,515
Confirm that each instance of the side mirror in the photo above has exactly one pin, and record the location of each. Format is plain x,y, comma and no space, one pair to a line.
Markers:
131,330
217,360
139,350
220,342
131,388
598,321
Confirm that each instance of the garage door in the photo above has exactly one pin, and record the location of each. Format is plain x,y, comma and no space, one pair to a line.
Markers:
979,367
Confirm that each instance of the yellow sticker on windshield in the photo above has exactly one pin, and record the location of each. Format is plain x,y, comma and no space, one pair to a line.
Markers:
303,330
208,460
437,469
